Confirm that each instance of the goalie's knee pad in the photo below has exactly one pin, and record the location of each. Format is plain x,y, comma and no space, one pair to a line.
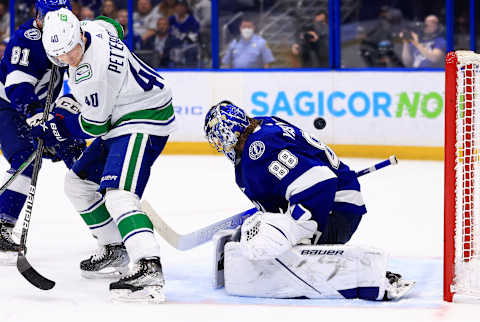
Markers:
82,193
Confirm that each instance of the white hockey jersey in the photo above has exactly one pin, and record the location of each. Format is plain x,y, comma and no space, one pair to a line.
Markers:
118,92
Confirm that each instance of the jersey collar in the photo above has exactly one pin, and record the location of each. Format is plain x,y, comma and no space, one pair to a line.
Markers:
89,40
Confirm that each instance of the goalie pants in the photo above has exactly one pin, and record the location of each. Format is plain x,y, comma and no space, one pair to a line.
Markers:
340,228
105,186
17,145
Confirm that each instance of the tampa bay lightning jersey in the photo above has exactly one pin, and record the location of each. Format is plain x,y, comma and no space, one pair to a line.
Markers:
25,70
282,165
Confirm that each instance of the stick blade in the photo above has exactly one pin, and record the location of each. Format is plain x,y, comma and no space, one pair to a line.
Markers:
32,275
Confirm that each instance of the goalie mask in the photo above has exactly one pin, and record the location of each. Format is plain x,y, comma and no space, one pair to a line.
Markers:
61,34
224,123
42,7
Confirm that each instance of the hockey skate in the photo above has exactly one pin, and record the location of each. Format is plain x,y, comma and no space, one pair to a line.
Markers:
8,248
397,288
144,283
109,261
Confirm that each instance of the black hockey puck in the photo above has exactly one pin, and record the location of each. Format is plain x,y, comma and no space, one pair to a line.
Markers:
319,123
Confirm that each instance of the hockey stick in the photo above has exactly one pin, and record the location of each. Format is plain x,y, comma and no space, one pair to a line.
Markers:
203,235
18,172
23,265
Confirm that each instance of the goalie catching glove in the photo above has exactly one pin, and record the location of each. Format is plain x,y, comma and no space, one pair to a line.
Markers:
268,235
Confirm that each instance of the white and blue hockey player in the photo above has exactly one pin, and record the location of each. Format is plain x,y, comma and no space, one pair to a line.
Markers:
24,77
305,196
128,108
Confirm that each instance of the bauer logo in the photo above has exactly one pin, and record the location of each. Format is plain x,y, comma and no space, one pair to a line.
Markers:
339,104
315,252
109,178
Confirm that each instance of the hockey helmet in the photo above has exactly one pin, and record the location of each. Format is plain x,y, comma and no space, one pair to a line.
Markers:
61,33
42,7
224,123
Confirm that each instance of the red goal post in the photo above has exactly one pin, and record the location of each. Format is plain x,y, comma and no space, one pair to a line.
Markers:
462,177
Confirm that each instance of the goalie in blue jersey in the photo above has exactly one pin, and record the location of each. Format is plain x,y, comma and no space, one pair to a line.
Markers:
24,78
305,196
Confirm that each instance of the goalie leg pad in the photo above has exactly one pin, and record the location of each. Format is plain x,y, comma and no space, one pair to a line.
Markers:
219,240
332,271
135,227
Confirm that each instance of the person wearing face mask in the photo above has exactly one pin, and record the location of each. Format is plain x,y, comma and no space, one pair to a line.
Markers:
312,44
249,51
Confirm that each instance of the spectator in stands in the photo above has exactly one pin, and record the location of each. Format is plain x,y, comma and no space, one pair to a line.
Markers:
312,44
186,28
164,43
166,8
3,45
87,14
426,50
377,43
76,9
202,11
145,22
122,18
109,9
4,22
94,5
249,51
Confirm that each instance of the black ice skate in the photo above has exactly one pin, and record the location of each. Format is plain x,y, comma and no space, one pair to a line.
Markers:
109,261
8,248
398,287
144,283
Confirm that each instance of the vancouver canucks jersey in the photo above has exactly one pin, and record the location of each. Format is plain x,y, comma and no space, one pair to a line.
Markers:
119,94
281,165
25,70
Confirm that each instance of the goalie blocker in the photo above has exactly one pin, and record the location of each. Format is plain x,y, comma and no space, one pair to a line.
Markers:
314,272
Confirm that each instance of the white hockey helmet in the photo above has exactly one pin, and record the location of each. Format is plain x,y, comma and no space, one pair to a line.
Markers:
61,33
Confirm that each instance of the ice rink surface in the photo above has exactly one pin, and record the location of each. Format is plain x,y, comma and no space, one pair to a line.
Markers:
405,217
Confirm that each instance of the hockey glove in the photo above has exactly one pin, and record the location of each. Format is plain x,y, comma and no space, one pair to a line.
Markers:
48,131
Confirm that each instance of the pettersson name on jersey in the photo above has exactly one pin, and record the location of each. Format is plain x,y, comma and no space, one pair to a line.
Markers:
116,49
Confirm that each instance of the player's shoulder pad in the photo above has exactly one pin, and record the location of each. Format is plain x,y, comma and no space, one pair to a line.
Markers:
263,142
27,35
108,23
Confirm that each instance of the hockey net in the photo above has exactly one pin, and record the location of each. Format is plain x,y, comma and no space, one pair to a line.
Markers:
462,177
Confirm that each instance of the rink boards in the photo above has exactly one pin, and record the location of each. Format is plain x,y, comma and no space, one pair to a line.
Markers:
368,114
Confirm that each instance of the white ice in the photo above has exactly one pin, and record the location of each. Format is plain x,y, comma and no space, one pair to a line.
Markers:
405,217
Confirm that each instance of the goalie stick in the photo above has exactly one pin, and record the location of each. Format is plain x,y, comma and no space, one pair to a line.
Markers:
23,265
203,235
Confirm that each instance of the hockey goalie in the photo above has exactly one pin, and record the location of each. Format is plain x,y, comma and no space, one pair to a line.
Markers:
309,205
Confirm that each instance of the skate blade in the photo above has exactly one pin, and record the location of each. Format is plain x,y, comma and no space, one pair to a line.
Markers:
8,258
403,290
109,273
150,294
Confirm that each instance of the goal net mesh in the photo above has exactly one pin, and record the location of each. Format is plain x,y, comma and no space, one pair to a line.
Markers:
466,279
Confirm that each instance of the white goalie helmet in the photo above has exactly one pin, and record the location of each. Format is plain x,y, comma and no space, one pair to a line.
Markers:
61,33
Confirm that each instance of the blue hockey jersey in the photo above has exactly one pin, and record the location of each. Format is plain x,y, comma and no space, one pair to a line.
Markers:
282,165
25,70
